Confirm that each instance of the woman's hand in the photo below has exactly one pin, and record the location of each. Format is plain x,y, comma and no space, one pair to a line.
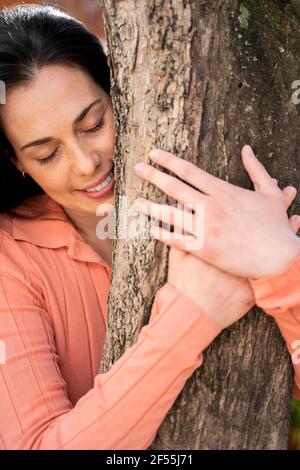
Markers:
221,296
246,233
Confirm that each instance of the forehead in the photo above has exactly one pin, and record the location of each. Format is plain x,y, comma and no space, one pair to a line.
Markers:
56,93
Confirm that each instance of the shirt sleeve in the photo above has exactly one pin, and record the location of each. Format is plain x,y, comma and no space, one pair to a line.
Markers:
126,405
279,296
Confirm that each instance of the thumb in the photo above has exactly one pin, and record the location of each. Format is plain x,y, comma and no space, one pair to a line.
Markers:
294,222
289,193
259,176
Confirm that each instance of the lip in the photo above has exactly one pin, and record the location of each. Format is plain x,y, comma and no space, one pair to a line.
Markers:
100,180
100,194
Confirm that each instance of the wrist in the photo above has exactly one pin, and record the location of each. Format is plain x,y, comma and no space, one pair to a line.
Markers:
281,259
208,304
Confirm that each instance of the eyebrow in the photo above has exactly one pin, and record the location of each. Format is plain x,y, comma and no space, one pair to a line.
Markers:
79,118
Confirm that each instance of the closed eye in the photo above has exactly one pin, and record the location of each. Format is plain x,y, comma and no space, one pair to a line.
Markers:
97,127
48,159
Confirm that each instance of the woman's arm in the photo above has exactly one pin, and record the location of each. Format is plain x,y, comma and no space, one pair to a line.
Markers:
227,219
279,296
126,405
243,232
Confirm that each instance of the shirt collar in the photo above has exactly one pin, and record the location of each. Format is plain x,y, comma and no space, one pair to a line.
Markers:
46,224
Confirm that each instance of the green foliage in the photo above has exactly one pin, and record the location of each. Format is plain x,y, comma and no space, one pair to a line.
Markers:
273,15
295,422
244,17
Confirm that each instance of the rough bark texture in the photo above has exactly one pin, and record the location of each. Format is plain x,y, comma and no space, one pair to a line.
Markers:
200,78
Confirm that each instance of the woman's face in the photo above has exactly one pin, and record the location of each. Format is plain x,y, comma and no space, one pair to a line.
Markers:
75,150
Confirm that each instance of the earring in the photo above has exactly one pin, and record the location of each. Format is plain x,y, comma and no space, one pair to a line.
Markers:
23,174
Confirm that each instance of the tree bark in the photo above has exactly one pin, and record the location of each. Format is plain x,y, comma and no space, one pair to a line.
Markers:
200,78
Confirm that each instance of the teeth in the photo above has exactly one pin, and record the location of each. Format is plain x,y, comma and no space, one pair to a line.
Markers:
101,185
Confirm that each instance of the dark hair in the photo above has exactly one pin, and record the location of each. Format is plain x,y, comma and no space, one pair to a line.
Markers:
33,36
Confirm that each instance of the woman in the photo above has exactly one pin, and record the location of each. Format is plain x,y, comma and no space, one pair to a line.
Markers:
56,157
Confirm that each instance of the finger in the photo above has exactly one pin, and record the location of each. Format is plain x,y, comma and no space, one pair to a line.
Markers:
289,193
183,221
258,174
256,186
170,238
294,222
188,172
184,207
182,242
170,185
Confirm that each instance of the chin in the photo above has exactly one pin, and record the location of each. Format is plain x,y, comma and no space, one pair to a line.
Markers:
109,201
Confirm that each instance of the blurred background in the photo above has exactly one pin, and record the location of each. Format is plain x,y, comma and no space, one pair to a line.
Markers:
89,12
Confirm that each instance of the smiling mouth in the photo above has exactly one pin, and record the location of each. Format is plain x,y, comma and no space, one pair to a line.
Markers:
104,181
101,185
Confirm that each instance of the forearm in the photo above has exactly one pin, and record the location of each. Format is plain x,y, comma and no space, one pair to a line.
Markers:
126,405
279,296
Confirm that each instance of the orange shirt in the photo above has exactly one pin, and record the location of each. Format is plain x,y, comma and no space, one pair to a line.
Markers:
279,296
53,294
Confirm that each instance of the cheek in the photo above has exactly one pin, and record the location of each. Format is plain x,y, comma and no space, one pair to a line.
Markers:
51,180
110,135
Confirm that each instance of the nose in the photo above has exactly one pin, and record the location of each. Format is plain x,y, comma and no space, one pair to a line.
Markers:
84,161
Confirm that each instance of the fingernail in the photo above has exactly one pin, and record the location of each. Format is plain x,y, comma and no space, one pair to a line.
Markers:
249,151
140,167
154,154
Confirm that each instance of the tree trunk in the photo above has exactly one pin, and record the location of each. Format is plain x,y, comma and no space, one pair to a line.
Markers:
200,78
